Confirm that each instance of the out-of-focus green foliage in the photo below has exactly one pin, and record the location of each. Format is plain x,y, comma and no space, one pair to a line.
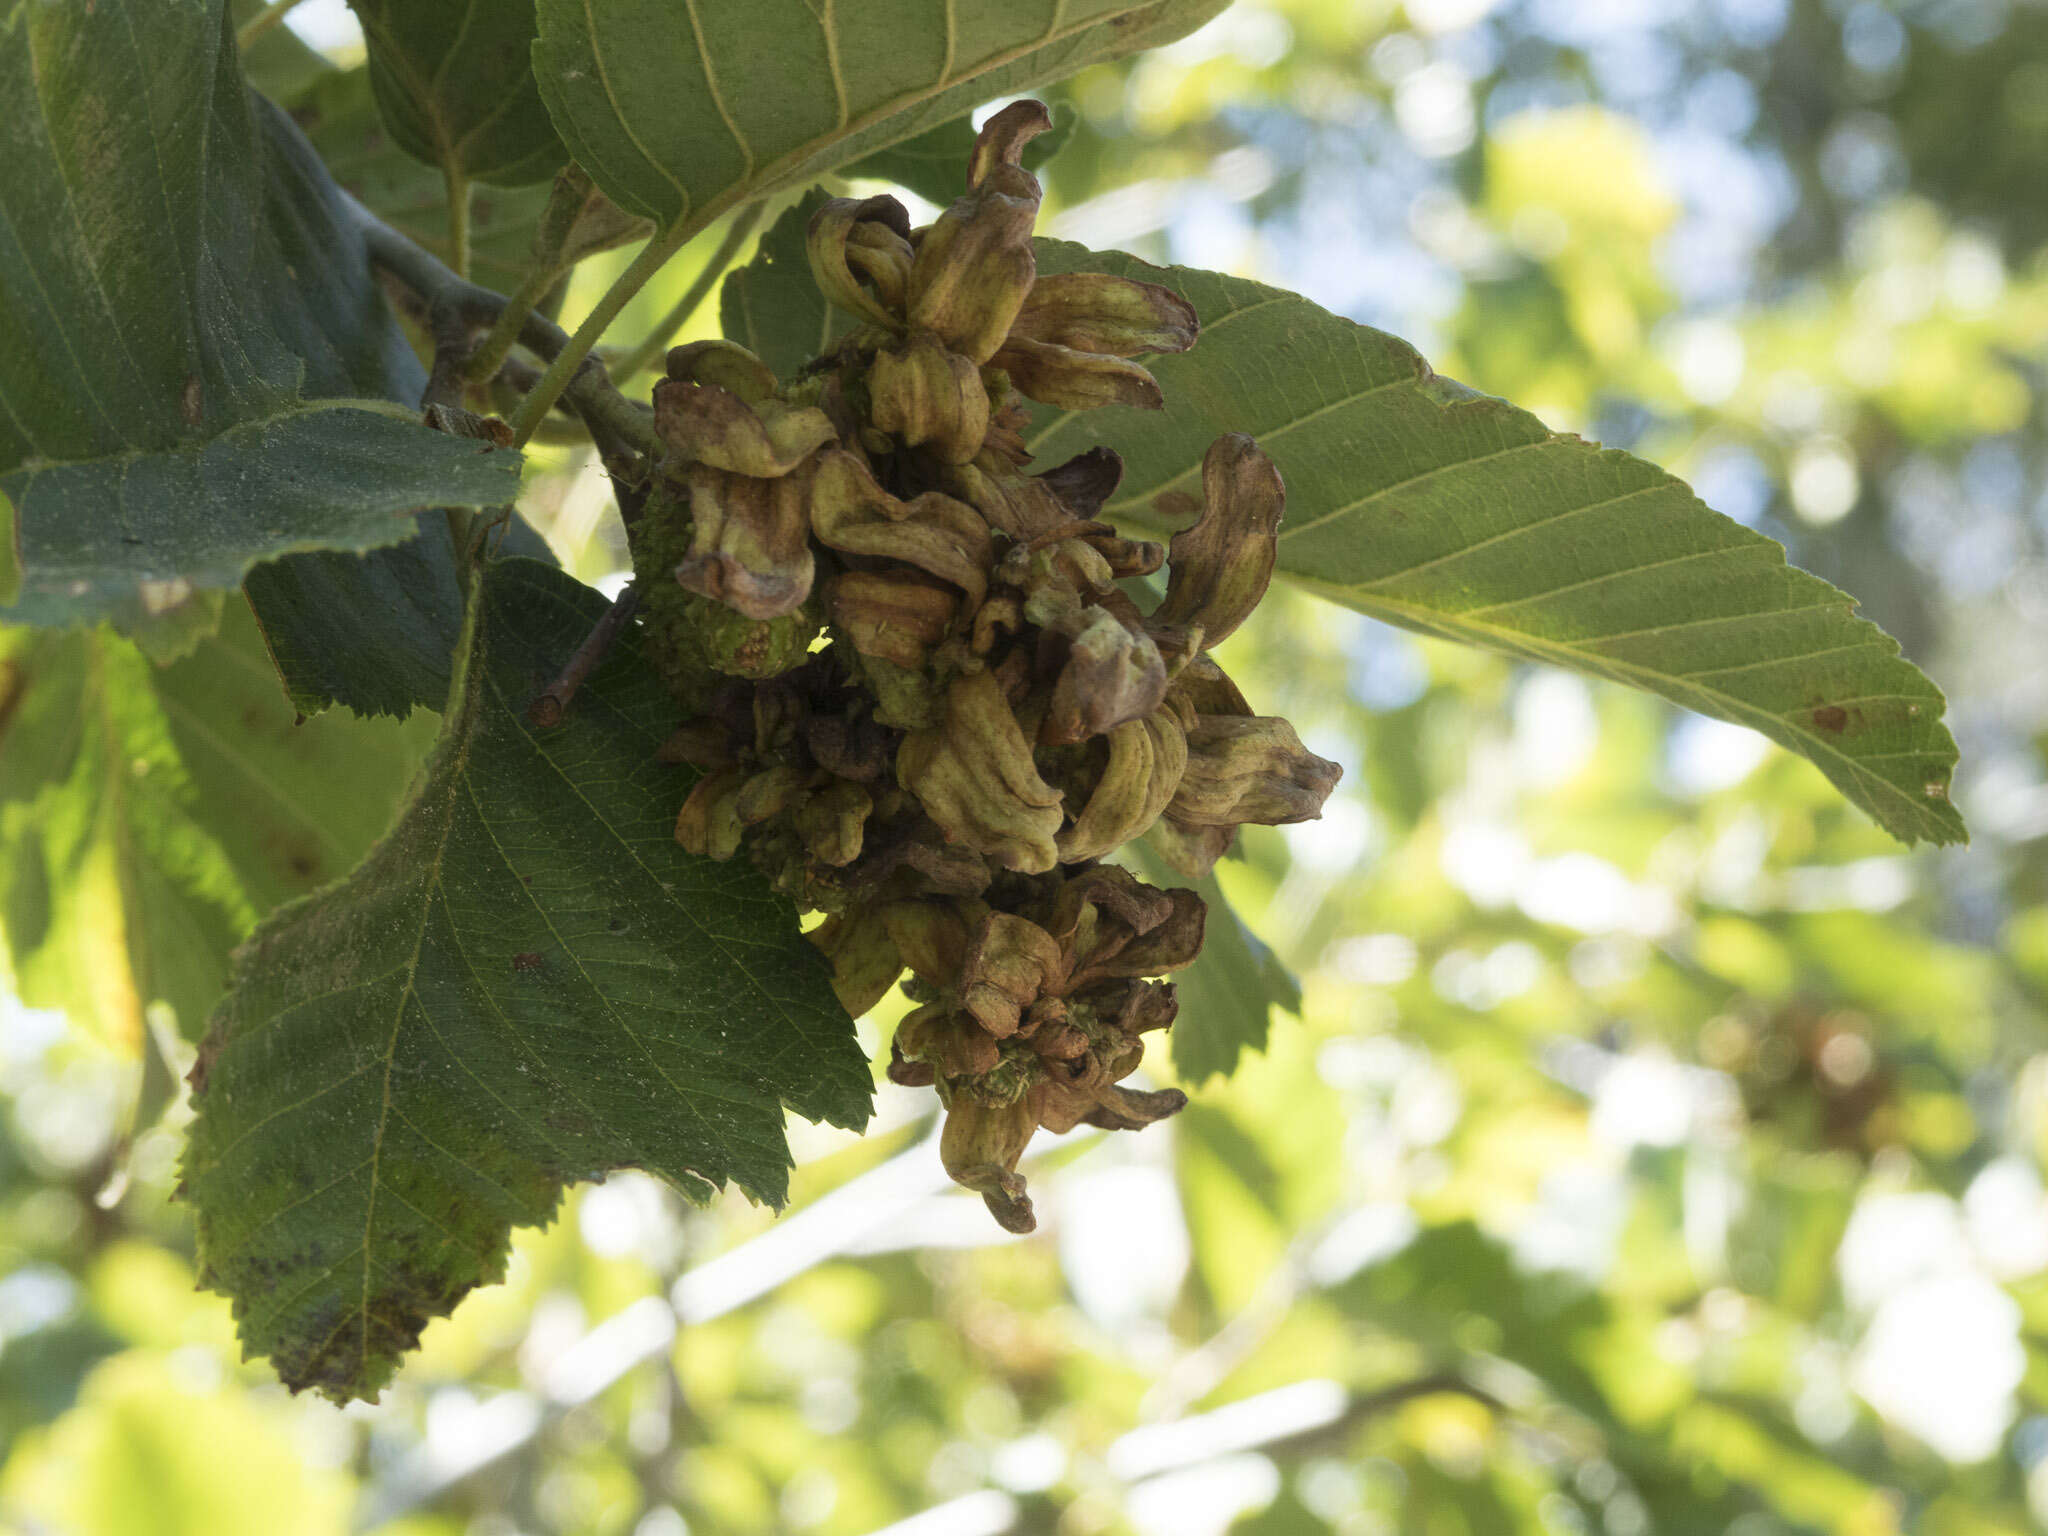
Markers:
1656,1150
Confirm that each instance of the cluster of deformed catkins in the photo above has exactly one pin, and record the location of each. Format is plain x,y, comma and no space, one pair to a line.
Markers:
922,695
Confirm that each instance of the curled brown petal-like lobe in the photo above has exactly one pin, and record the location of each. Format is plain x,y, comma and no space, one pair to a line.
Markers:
1073,380
710,425
865,963
974,265
1250,768
1098,312
950,1041
928,396
749,545
1146,760
826,243
1220,568
981,1146
1010,965
725,363
1132,1109
896,615
1171,944
932,937
1026,509
884,257
1111,674
708,825
1003,137
833,822
769,793
974,776
1085,481
1114,900
850,512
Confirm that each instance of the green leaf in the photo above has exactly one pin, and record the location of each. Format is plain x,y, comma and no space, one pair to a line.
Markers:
187,304
295,803
454,80
772,306
149,816
681,111
527,984
374,632
307,475
934,164
339,116
1228,995
1423,503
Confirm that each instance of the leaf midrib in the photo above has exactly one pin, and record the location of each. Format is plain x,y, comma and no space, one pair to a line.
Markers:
1429,620
794,162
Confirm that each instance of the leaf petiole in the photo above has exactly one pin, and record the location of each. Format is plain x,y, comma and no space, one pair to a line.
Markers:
457,308
644,354
572,358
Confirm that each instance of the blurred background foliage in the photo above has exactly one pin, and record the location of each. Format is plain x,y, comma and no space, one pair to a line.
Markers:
1658,1148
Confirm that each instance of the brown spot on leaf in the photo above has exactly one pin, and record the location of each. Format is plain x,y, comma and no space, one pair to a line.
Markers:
526,961
1176,508
1831,717
202,1065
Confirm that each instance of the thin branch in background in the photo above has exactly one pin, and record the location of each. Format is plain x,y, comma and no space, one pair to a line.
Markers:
563,370
642,356
489,357
568,199
263,21
453,302
552,707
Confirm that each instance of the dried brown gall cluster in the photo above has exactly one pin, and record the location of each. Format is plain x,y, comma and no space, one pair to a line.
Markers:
922,695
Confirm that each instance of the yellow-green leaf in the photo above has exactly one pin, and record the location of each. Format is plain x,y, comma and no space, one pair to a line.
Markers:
1421,502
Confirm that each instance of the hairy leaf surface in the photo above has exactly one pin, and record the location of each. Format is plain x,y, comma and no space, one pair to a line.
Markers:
1420,502
678,111
187,307
454,80
527,984
374,632
149,816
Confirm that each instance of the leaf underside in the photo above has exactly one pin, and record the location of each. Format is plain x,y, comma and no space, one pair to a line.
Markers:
454,83
127,536
678,111
1420,502
338,114
179,278
377,632
526,984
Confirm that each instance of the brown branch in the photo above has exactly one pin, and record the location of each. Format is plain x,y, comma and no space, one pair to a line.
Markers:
457,309
552,706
